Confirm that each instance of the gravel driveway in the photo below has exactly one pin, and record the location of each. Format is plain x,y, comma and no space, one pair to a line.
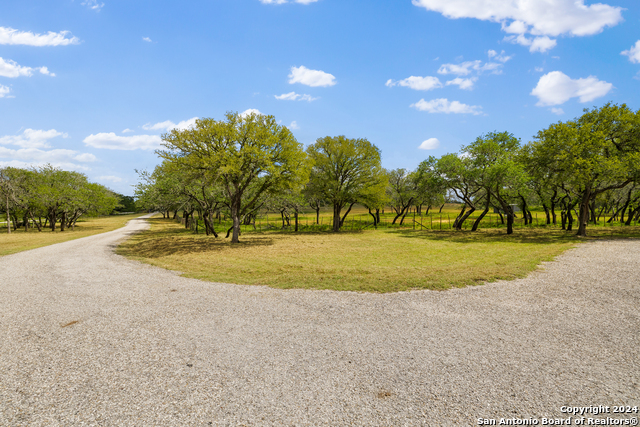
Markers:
90,338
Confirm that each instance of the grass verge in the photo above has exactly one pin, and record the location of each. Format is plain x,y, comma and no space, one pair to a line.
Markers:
367,261
20,240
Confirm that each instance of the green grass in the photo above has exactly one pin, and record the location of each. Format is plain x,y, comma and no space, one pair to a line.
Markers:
385,260
19,240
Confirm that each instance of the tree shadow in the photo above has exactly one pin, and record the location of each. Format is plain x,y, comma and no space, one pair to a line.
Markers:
542,236
164,241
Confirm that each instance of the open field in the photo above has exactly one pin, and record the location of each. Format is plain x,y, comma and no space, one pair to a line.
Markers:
20,240
384,260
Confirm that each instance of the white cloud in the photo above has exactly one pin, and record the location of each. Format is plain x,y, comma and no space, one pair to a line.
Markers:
465,68
110,178
430,144
12,36
294,125
537,44
128,130
443,105
147,39
539,69
93,4
313,78
538,18
292,96
12,69
498,56
4,91
249,112
110,141
168,125
633,53
466,84
556,88
417,83
32,138
558,111
27,157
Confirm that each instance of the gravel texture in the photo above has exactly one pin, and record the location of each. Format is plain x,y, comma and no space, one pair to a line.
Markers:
90,338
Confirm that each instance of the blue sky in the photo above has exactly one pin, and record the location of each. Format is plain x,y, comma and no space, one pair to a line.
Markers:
91,85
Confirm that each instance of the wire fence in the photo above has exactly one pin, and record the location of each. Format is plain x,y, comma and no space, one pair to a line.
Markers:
414,221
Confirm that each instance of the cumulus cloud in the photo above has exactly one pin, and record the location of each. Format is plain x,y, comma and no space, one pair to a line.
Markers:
12,69
111,141
128,130
168,125
443,105
313,78
466,84
294,125
13,36
556,88
417,83
147,39
29,157
502,57
558,111
465,68
249,112
633,53
4,91
32,138
549,18
536,44
292,96
93,5
430,144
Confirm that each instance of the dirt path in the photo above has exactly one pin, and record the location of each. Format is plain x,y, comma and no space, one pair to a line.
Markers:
90,338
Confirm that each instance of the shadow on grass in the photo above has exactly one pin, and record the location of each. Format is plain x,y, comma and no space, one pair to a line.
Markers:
541,236
165,239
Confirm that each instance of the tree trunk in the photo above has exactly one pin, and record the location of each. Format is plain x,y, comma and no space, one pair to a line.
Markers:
631,215
583,216
375,223
235,212
63,220
295,215
378,216
346,213
460,215
476,223
337,208
440,211
318,215
8,217
464,218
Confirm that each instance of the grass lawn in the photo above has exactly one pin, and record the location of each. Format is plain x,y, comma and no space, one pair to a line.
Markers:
20,240
385,260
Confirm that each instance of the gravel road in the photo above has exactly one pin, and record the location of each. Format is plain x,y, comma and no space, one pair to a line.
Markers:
90,338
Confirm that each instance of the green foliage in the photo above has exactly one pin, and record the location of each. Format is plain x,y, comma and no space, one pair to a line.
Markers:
344,172
247,157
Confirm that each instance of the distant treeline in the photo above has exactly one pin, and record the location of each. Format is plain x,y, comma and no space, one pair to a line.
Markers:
50,197
580,169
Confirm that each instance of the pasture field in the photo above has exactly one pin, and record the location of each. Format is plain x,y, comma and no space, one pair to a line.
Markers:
389,259
19,240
